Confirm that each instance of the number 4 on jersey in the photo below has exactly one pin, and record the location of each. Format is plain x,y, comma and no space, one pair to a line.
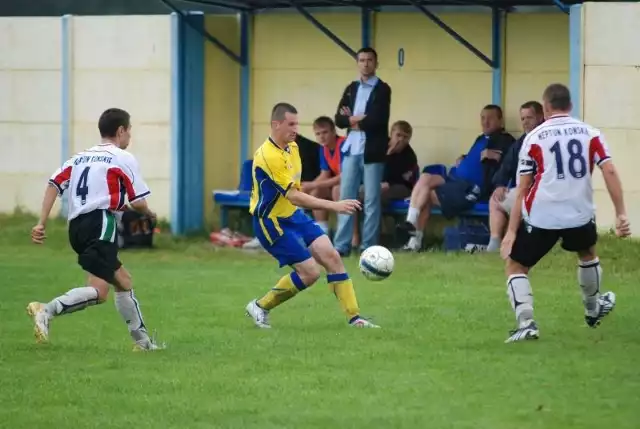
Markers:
82,190
575,157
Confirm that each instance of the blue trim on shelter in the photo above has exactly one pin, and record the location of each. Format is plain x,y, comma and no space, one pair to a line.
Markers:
575,59
496,53
66,99
246,20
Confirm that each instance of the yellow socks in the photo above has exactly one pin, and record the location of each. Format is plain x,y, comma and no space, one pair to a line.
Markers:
286,288
342,286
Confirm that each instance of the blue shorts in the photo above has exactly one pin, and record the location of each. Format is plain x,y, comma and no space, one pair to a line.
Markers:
287,239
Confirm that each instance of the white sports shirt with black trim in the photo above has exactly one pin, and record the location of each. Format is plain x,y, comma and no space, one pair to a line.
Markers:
100,178
562,152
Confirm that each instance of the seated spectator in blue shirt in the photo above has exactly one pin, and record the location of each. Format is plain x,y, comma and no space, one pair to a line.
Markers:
461,190
531,115
327,184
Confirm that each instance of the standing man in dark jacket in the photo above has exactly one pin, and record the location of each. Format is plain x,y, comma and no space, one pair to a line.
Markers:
364,111
504,180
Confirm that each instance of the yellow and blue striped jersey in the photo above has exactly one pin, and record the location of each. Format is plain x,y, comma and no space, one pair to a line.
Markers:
275,172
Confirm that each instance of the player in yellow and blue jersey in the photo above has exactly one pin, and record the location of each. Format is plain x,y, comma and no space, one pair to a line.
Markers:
286,232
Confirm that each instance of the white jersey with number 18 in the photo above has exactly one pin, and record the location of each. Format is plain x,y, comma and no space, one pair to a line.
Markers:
562,152
100,178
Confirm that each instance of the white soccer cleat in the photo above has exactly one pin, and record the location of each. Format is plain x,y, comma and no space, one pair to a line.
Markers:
528,332
37,311
362,323
149,344
606,304
260,316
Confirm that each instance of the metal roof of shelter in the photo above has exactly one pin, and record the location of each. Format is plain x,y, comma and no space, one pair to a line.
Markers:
258,5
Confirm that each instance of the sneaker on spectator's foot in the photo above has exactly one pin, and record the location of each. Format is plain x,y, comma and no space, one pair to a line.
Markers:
606,302
413,245
253,244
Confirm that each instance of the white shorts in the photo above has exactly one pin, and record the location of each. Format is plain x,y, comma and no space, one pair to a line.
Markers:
509,199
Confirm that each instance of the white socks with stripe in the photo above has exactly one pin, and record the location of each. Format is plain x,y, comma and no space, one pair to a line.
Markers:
75,300
128,307
412,216
589,278
521,298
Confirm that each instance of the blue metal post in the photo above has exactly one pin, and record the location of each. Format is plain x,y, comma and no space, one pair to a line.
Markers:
367,41
576,67
496,22
563,7
66,97
193,122
176,124
245,89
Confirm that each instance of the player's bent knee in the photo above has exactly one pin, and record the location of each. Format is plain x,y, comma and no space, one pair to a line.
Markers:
587,255
100,285
122,280
309,271
513,268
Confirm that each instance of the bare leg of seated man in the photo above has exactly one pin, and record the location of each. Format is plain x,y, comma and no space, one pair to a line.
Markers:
322,216
500,206
422,199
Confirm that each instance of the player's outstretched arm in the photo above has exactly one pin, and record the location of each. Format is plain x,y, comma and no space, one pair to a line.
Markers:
49,199
614,187
300,199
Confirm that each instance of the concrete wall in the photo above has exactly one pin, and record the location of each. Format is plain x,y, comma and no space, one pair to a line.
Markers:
120,61
292,61
534,59
30,104
611,99
125,62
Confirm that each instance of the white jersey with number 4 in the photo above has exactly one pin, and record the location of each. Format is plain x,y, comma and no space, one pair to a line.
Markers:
100,178
562,153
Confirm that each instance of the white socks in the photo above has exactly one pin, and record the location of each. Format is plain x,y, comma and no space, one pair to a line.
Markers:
521,298
589,279
128,307
74,300
412,215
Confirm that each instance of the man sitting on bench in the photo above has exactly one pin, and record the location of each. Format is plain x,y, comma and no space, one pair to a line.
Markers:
460,191
327,184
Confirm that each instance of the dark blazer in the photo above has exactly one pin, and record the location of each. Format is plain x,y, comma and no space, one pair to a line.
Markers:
501,141
310,158
506,174
376,123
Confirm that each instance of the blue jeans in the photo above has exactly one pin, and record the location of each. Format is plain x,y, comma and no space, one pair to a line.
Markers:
354,172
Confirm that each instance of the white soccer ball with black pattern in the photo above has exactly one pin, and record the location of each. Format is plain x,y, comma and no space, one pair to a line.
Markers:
376,263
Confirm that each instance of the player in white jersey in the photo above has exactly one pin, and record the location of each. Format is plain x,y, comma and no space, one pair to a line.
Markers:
97,181
555,202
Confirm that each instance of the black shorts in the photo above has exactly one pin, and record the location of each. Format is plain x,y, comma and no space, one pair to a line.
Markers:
94,237
455,197
532,244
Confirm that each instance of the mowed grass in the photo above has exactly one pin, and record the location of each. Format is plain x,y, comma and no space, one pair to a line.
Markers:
439,361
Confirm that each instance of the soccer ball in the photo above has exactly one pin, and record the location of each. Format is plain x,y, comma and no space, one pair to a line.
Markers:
376,263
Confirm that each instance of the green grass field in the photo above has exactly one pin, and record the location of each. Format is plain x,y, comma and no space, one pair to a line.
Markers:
439,361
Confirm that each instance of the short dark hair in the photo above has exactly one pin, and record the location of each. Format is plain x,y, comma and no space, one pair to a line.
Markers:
324,121
403,126
558,96
367,50
280,109
495,107
111,120
537,107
